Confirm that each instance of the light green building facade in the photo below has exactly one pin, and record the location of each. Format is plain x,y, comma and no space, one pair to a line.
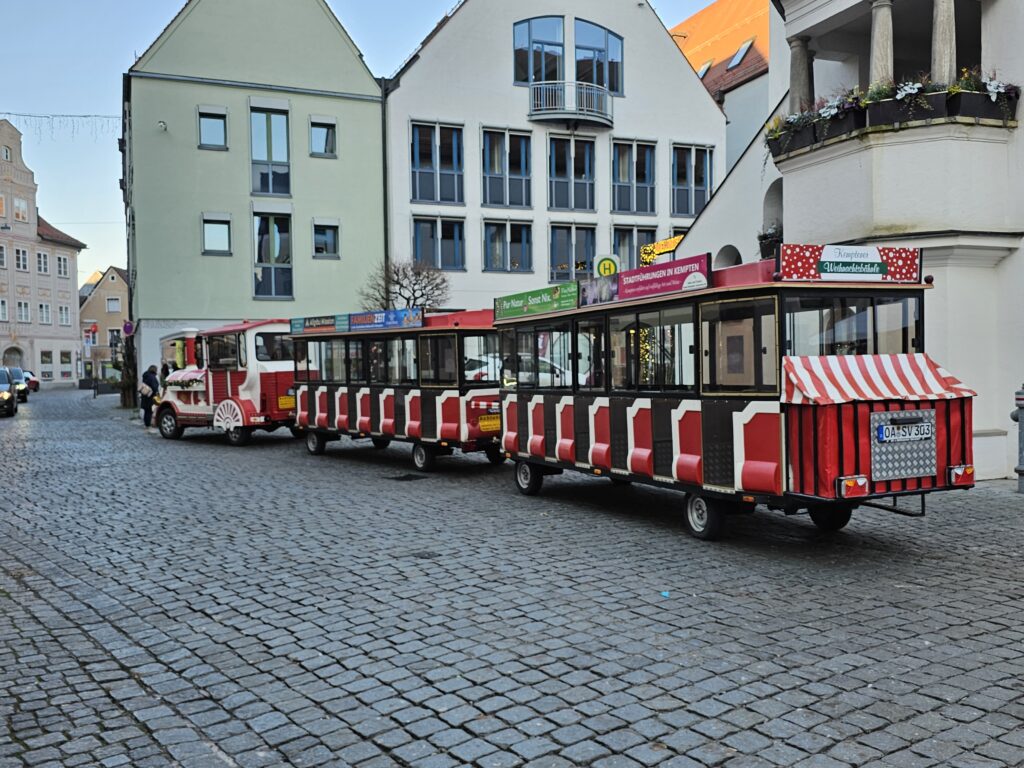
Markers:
253,168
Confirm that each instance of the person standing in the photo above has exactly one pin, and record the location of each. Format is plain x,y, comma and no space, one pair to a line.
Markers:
148,389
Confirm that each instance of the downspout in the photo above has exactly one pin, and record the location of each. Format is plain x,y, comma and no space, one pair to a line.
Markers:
385,88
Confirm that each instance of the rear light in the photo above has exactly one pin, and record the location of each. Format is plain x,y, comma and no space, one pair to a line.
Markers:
962,475
478,376
852,487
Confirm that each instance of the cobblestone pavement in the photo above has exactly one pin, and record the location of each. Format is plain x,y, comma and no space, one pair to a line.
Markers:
199,605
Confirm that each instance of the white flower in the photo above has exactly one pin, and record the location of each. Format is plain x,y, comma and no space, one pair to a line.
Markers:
907,89
995,88
831,109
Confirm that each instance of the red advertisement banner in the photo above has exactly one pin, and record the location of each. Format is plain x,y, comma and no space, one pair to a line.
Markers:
689,274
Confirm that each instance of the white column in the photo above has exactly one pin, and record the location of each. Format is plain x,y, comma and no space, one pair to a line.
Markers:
881,40
943,42
800,96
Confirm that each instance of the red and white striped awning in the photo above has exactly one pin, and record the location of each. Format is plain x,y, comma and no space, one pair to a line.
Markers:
831,379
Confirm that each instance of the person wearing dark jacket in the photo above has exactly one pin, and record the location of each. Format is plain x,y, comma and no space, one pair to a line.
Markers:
148,389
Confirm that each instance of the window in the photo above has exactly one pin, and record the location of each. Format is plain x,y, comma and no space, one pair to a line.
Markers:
526,367
508,247
538,50
554,357
572,252
3,207
64,315
627,242
44,314
20,209
114,338
5,153
740,346
113,304
24,312
63,266
3,311
271,173
447,252
65,364
402,361
273,347
442,163
273,272
42,263
591,343
506,174
571,174
213,130
3,257
377,360
325,241
691,179
481,360
322,140
738,58
216,234
356,361
46,365
633,183
704,68
89,338
223,351
438,362
333,360
21,259
598,56
852,326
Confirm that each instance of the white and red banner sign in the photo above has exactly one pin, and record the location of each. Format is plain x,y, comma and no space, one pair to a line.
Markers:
851,263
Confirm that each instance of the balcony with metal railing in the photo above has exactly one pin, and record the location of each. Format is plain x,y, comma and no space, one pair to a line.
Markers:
569,100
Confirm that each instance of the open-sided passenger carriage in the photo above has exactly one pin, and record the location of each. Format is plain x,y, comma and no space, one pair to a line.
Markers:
400,375
797,383
235,379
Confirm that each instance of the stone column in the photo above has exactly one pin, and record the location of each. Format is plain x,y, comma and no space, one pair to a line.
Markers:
881,40
800,95
943,42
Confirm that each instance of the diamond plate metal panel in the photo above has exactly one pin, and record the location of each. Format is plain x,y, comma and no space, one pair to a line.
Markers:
901,460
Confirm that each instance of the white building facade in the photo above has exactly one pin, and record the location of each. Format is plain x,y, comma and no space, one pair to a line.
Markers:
524,143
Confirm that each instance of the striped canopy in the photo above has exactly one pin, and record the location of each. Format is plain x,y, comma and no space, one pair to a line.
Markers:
832,379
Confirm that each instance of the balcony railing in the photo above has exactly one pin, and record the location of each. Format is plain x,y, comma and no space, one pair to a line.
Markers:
561,100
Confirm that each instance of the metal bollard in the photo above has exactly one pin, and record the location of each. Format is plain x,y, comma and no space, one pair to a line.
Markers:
1018,416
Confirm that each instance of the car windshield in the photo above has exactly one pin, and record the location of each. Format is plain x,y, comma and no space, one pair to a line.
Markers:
17,374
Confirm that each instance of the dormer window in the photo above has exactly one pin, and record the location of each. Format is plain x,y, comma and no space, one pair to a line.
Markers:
539,50
738,58
704,68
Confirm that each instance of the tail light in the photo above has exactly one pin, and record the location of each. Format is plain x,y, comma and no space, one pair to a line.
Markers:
852,487
478,376
962,475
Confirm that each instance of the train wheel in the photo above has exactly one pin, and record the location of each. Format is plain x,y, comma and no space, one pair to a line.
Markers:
529,479
423,457
495,455
238,436
704,518
830,518
167,423
380,443
316,443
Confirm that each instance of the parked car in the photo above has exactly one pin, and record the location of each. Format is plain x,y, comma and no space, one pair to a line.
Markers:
20,384
8,396
32,381
488,368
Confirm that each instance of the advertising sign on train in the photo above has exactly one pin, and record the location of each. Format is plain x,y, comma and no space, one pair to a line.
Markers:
385,319
551,299
850,263
689,274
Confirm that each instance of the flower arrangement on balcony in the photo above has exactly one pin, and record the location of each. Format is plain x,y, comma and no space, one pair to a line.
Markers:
986,98
841,114
788,134
770,240
889,103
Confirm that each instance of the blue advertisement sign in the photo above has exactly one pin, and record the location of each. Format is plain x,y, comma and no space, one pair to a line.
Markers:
385,319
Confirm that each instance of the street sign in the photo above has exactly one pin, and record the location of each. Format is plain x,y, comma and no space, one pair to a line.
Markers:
128,328
605,266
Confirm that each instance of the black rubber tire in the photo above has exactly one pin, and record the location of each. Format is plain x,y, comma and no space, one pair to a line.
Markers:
167,424
495,455
705,518
423,457
316,443
830,518
380,443
239,436
297,432
528,478
619,480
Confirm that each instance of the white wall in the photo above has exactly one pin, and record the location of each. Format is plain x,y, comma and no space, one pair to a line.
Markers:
745,108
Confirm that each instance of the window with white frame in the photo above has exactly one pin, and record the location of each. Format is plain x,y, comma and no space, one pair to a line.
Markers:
508,246
213,128
44,313
216,234
506,169
691,179
64,315
89,337
439,243
3,257
437,163
323,140
21,259
273,269
633,188
113,304
63,266
271,171
24,312
42,263
20,209
46,365
3,311
572,252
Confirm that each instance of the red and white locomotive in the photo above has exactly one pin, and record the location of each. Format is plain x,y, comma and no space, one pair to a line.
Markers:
797,383
235,379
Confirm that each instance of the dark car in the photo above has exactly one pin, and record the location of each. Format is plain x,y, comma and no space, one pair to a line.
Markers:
32,381
8,396
20,383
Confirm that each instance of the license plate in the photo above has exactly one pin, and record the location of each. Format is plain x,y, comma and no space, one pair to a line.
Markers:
489,423
285,402
900,433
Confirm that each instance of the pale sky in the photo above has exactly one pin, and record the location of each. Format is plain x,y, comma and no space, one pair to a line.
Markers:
73,53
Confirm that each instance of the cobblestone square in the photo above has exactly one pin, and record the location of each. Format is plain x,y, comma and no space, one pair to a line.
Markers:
198,605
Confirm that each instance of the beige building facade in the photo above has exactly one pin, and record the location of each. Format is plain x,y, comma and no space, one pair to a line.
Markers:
103,313
39,328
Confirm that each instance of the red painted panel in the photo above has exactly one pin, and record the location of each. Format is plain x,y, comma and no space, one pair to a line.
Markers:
601,448
510,438
762,460
235,380
302,412
536,445
451,418
641,457
219,381
387,420
364,411
827,458
566,448
321,409
690,461
414,418
481,405
341,419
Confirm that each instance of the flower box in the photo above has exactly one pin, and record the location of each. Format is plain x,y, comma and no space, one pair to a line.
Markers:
891,111
777,146
800,138
769,247
850,121
980,105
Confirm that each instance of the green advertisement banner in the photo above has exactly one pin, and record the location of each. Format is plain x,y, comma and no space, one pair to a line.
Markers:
551,299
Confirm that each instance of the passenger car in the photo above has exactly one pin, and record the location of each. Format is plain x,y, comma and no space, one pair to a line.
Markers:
8,396
32,381
20,383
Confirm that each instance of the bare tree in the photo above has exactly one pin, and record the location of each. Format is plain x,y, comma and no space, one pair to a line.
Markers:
404,284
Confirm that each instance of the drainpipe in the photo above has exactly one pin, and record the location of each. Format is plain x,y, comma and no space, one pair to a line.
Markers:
385,89
1018,416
